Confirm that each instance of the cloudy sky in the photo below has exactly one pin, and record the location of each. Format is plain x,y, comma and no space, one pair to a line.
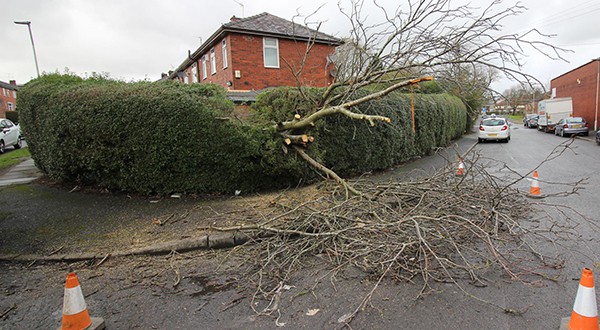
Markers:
139,39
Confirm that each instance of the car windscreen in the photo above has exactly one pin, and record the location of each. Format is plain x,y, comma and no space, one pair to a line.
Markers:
493,122
574,120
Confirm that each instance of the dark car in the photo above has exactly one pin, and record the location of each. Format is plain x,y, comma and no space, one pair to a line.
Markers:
598,137
527,120
532,121
571,126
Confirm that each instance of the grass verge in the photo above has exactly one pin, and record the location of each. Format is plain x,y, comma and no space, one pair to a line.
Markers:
11,158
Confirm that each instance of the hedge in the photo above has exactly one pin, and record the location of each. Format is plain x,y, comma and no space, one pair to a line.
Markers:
352,147
166,137
148,137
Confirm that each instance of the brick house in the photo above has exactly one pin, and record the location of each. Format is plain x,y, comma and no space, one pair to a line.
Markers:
253,53
8,97
582,84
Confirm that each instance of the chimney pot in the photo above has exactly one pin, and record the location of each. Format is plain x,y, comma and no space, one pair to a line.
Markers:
234,19
13,82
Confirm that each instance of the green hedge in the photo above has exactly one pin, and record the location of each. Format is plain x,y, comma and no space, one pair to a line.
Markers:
168,137
148,137
352,147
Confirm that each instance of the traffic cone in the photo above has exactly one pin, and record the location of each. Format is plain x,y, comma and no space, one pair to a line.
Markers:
534,189
461,168
585,311
75,315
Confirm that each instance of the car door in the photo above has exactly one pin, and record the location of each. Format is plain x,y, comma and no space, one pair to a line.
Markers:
10,132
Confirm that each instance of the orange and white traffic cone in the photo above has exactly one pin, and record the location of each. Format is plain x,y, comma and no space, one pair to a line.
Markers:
534,190
461,168
75,315
585,311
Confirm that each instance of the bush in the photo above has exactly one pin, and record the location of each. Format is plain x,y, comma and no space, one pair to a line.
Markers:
352,147
168,137
148,137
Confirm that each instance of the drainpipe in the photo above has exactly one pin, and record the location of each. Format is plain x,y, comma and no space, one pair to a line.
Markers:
597,90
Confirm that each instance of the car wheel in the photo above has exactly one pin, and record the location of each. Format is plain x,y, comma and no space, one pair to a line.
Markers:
1,147
562,133
586,134
479,140
19,143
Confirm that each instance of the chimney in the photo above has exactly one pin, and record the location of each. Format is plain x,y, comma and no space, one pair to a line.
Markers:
234,19
170,72
163,75
13,82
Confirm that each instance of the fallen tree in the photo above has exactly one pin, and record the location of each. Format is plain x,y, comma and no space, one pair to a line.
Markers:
389,49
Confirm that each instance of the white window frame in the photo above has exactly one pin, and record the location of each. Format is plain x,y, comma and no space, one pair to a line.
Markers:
204,73
224,49
213,62
194,72
186,79
15,94
265,47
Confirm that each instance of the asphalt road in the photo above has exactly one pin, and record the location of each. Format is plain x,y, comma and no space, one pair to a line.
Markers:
141,293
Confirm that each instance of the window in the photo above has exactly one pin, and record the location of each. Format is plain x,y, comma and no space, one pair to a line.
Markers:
224,47
4,91
213,63
10,106
271,52
187,77
204,75
194,73
15,94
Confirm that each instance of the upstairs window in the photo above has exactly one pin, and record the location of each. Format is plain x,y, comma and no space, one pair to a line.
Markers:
213,62
224,48
10,106
204,74
194,73
15,94
271,52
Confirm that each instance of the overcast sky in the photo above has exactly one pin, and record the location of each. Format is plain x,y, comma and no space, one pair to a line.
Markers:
139,39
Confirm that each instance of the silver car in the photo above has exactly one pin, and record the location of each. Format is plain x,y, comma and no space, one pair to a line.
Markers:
571,126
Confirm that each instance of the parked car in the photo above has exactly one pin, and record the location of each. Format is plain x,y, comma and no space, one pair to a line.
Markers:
598,137
527,118
571,126
531,121
494,129
10,135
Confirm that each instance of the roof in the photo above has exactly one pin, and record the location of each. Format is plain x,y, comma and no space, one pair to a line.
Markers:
8,86
263,24
267,24
577,68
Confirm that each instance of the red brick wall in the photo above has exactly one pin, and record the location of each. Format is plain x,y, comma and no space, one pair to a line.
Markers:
245,54
583,91
247,57
6,96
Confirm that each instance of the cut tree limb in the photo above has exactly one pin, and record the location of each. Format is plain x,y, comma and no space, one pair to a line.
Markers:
325,170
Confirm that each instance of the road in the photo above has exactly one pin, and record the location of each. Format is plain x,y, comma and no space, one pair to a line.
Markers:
143,292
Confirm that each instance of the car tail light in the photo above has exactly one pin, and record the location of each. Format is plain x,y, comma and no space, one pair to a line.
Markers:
565,126
505,127
481,128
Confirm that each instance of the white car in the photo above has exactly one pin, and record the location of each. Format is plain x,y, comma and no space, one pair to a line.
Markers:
10,135
494,129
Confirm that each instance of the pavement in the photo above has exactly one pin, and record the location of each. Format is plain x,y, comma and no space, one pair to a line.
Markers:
22,173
